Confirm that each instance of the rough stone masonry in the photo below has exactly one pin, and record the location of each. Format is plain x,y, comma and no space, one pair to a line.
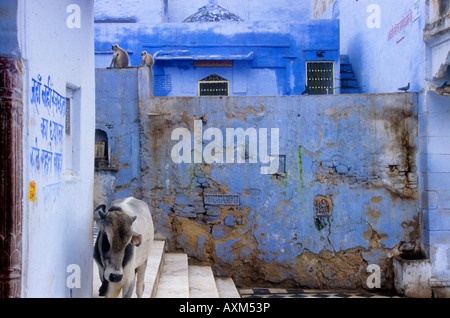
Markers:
345,195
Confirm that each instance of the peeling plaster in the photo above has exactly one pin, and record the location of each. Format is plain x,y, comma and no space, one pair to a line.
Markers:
357,150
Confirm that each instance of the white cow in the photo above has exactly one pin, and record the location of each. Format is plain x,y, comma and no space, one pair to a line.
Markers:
123,245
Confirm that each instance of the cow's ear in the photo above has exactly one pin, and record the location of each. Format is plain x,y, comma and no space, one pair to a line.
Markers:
136,239
100,212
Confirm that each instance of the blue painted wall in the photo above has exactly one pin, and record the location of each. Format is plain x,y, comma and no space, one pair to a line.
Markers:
357,151
117,114
271,56
8,26
384,57
383,60
391,43
56,47
176,11
434,132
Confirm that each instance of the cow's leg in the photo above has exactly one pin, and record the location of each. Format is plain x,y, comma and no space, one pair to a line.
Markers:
140,279
127,291
128,287
110,290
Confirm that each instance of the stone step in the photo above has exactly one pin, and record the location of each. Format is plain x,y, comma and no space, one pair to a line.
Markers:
347,75
154,267
168,275
349,83
226,288
344,59
202,283
174,279
346,68
349,90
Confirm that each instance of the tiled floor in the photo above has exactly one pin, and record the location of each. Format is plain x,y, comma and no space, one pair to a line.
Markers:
310,293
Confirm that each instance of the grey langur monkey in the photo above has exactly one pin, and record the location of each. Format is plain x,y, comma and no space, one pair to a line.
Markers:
120,57
147,59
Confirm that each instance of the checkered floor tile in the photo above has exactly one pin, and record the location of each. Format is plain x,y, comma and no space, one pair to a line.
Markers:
310,293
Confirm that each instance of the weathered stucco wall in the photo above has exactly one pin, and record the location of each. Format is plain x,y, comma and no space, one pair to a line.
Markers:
58,146
382,39
352,154
357,152
395,42
266,59
434,133
119,118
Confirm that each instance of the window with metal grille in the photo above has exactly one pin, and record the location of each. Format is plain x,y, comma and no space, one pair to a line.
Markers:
320,78
213,85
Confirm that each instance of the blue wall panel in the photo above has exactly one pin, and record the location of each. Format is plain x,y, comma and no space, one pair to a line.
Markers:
276,53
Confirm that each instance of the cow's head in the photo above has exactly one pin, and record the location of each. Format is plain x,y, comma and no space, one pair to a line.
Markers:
117,241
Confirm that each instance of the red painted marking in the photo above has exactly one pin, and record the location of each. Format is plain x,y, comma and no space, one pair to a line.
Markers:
400,39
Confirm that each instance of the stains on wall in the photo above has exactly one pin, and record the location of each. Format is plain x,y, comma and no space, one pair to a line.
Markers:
438,9
117,111
352,155
387,163
319,7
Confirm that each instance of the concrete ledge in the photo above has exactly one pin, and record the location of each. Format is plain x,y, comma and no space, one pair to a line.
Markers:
437,28
411,277
440,287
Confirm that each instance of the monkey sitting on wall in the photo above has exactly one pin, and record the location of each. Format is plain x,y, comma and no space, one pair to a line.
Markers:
147,59
120,57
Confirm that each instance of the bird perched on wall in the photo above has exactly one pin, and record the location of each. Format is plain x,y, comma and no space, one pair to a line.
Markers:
405,88
306,91
444,89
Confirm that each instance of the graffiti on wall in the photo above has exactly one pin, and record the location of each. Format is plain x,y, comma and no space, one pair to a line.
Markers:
413,15
397,28
46,149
